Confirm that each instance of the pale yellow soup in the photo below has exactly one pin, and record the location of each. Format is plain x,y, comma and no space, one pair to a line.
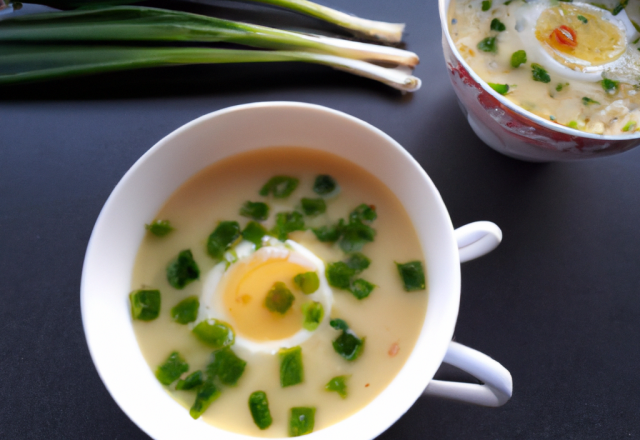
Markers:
390,318
577,103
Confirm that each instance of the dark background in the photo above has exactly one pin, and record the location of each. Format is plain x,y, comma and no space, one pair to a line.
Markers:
558,303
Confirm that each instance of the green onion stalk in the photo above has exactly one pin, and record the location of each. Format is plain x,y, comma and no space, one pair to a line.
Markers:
24,63
133,23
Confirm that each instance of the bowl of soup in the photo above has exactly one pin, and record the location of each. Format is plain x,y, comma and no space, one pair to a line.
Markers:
277,270
546,80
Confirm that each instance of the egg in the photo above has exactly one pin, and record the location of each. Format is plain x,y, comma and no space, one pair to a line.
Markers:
235,291
576,41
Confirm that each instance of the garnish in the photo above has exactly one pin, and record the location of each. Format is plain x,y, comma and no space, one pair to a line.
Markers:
583,19
339,385
145,304
313,206
347,345
325,185
327,234
259,407
588,101
159,228
287,222
497,25
291,370
255,210
355,235
171,369
192,381
313,313
358,262
308,282
186,311
214,333
486,5
301,421
488,45
503,89
540,74
412,275
518,58
561,86
573,124
363,213
564,35
226,365
620,7
610,86
361,288
207,393
254,232
339,274
630,126
221,239
280,186
279,298
182,270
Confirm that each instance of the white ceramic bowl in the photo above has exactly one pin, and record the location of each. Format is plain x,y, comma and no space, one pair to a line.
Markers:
107,271
512,130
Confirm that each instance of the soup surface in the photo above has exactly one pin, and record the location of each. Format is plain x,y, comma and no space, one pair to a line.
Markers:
388,320
570,62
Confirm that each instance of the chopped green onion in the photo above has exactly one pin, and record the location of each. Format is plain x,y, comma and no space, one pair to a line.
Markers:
291,369
540,74
313,313
207,393
339,385
488,45
573,124
159,228
182,270
222,238
171,369
561,87
500,88
287,222
583,19
325,185
308,282
588,101
486,5
254,232
313,206
280,187
214,333
186,311
364,213
347,345
610,86
361,288
339,324
339,275
327,234
226,366
497,25
518,58
259,407
145,304
194,380
358,262
255,210
412,275
631,125
355,235
620,7
279,299
301,421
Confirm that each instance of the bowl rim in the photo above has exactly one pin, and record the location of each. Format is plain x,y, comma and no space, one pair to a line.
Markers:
444,22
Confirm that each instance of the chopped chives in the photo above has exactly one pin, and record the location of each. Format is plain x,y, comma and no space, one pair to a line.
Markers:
159,228
254,232
313,207
412,275
259,407
518,58
301,421
488,45
279,299
339,385
207,393
287,222
186,311
145,304
313,313
325,185
214,333
347,345
182,270
291,369
222,237
361,288
192,381
280,186
226,365
255,210
171,369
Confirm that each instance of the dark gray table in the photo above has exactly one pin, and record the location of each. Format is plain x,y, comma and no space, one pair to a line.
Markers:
558,303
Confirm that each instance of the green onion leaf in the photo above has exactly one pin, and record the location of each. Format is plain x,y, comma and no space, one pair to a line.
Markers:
339,385
339,324
540,74
226,365
254,232
214,333
182,270
280,186
313,313
610,86
301,421
325,185
327,234
287,222
355,235
361,288
488,45
313,206
259,407
518,58
339,275
620,7
363,213
358,262
159,228
630,126
497,25
308,282
279,298
347,345
145,304
207,393
291,369
500,88
486,5
194,380
221,239
171,369
186,311
412,275
583,19
589,101
255,210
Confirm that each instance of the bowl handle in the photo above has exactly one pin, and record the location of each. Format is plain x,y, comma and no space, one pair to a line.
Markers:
477,239
497,384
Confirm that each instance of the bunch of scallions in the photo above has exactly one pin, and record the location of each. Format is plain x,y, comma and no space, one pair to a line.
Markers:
94,36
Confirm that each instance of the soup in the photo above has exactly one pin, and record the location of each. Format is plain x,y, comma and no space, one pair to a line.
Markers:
570,62
313,321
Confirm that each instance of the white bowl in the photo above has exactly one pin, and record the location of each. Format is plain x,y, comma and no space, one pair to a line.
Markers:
114,243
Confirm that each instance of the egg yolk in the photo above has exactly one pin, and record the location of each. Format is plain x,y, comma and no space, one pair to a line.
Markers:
244,292
582,34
